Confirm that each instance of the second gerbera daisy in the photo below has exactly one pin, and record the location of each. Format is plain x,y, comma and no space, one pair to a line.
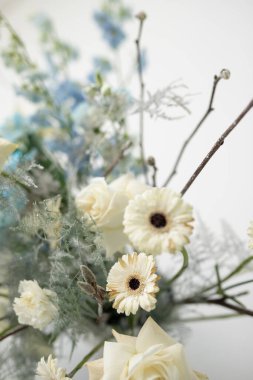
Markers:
158,221
131,283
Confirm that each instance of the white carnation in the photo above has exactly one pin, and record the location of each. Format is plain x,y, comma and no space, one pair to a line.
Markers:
48,370
35,306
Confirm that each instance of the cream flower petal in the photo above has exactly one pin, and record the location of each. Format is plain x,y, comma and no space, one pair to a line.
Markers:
132,283
134,362
152,356
35,306
113,240
120,351
129,184
125,339
6,148
106,207
199,376
48,370
96,369
179,359
152,334
158,221
114,214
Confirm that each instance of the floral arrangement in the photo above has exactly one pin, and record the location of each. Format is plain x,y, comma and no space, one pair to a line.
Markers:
83,222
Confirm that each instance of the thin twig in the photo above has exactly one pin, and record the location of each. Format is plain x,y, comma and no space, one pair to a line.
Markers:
155,169
141,17
216,146
13,332
118,158
205,318
152,163
193,133
182,268
238,309
219,302
238,284
85,359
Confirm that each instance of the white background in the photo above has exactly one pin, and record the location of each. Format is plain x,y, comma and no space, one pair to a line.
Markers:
192,40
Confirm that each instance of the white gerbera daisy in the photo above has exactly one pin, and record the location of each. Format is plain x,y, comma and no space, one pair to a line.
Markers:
158,221
250,235
48,370
131,283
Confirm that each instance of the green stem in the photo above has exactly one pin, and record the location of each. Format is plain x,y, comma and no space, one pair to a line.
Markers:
85,359
238,284
182,269
208,318
4,295
231,274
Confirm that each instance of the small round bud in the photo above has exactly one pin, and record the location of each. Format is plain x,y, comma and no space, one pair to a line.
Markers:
151,161
225,74
141,16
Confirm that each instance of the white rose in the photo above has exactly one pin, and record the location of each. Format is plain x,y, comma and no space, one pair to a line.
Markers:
35,306
106,205
152,355
48,370
6,148
129,185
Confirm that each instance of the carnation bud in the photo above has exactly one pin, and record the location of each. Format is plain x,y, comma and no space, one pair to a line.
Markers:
225,74
141,16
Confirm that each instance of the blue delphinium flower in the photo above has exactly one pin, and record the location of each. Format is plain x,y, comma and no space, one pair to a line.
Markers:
15,127
100,65
112,32
69,91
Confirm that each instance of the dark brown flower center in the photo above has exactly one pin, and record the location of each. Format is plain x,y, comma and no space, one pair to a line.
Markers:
134,284
158,220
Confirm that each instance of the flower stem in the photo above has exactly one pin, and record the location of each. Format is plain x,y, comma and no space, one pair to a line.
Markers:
216,146
182,269
10,331
206,318
86,358
235,271
118,158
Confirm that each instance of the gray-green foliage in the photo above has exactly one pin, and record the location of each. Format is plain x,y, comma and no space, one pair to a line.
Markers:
19,358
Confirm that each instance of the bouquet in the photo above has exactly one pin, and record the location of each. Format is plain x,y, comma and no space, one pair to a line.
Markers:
85,227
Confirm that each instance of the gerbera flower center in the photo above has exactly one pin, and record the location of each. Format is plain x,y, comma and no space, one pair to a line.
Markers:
134,283
158,220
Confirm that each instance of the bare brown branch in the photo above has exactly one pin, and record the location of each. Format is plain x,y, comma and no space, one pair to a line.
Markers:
216,146
118,158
